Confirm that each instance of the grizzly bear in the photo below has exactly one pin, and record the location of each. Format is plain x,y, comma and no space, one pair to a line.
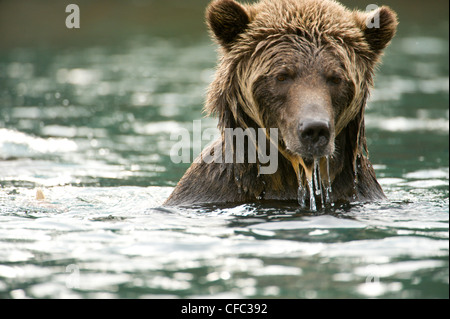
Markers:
304,67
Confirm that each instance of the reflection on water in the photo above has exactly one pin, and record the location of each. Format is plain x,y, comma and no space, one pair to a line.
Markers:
91,127
110,116
120,246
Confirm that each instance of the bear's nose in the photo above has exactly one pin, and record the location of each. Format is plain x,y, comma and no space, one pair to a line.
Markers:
314,133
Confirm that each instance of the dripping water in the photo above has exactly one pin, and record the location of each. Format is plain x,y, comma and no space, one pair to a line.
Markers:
318,180
312,197
316,186
315,173
301,197
328,189
301,193
355,177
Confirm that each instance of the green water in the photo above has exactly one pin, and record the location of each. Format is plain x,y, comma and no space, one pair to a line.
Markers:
87,117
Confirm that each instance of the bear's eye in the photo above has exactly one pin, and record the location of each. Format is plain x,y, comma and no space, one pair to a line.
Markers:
281,78
334,79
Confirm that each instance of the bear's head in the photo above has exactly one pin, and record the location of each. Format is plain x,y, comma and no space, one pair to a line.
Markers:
302,66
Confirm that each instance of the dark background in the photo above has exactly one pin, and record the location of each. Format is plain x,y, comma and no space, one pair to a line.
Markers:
32,23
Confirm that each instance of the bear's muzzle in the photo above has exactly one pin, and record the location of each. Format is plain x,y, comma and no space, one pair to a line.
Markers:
314,136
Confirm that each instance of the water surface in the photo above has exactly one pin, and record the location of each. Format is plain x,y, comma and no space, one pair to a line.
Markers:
90,126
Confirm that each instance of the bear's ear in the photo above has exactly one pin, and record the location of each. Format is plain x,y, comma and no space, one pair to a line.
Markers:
379,27
226,19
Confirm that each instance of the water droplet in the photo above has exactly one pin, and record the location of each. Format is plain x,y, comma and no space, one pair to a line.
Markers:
312,198
301,192
318,180
301,195
328,189
355,181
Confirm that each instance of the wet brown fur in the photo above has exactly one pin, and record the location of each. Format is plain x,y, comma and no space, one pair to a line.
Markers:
250,38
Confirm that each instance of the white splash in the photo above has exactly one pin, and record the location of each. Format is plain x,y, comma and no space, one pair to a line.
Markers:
14,143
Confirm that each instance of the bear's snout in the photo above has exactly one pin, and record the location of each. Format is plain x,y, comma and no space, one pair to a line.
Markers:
314,136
